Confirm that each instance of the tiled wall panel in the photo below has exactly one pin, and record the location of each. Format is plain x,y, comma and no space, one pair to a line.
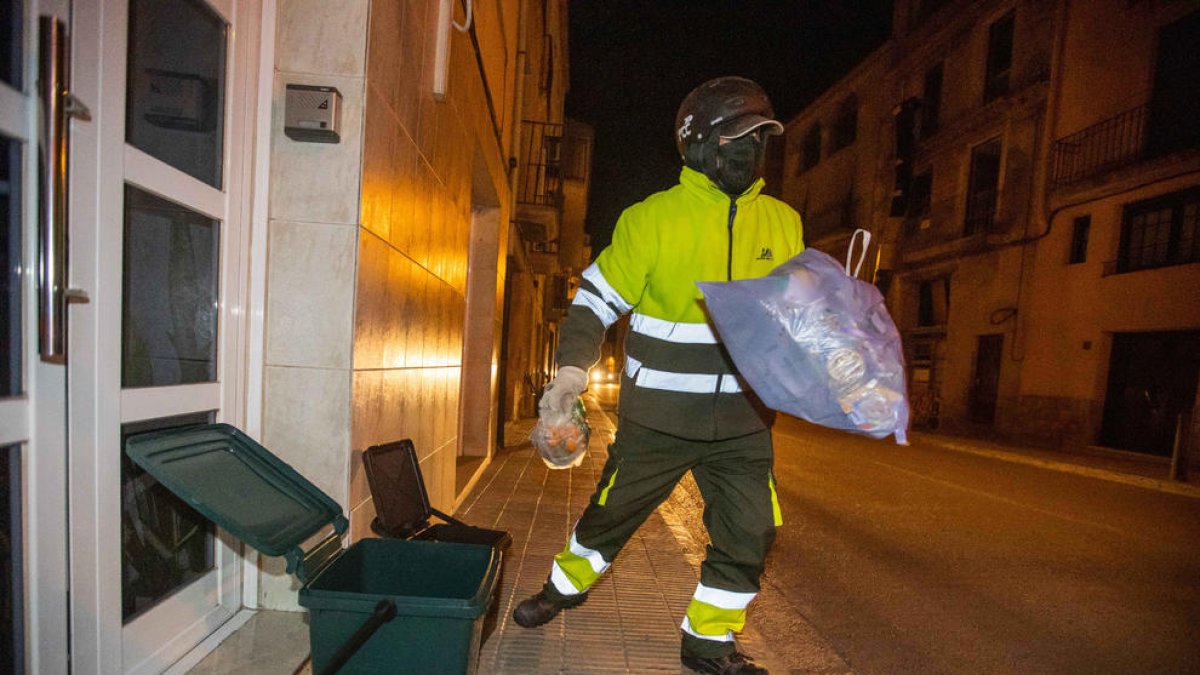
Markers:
368,247
312,259
415,218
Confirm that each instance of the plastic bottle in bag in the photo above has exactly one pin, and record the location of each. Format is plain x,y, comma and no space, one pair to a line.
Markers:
873,408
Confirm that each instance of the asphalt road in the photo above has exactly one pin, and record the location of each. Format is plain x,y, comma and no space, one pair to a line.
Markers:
922,560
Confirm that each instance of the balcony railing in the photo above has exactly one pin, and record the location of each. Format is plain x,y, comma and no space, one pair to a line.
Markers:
1113,143
540,180
551,153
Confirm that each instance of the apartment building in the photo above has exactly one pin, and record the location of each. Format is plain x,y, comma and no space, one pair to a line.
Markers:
1027,184
1112,340
301,218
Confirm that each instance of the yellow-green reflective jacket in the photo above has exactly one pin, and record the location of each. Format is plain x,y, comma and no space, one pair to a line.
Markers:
677,377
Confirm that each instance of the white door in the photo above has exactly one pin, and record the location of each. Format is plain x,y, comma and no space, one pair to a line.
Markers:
159,242
33,568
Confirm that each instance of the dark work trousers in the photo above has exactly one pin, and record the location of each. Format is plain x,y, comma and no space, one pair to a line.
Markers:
740,512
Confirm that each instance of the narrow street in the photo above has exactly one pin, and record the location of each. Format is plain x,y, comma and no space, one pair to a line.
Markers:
921,560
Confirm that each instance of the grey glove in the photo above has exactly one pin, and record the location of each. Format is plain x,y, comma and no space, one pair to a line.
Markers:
562,391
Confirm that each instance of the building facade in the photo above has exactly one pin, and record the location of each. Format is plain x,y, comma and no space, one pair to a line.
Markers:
300,218
1031,218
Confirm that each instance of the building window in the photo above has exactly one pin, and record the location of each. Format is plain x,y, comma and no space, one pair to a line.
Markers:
1079,239
982,187
919,202
846,129
922,191
999,58
1161,232
810,153
1174,122
933,302
931,100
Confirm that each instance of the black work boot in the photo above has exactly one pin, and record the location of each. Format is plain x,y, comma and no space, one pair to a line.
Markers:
540,608
730,664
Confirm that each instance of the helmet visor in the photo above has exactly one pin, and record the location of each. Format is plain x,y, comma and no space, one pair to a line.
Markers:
738,127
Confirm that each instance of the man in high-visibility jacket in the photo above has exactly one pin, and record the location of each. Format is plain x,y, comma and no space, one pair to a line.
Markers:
683,406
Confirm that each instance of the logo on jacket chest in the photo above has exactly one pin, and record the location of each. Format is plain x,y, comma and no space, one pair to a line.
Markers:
765,254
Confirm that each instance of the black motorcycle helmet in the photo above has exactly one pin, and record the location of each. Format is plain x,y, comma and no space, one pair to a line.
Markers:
727,106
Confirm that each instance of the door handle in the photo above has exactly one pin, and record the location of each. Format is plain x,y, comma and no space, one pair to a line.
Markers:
57,107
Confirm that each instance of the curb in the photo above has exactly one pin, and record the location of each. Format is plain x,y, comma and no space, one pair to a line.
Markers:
1158,484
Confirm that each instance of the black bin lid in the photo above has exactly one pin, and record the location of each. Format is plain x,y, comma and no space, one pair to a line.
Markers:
238,484
394,476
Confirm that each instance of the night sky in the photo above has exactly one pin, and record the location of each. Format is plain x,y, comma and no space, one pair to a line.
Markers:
633,61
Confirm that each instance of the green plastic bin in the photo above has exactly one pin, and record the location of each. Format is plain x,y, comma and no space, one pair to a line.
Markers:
441,591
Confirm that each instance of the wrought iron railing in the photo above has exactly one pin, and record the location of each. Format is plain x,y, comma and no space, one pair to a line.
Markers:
1115,142
540,180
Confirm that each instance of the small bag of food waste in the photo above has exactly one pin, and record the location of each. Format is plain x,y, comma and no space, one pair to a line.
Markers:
562,440
817,343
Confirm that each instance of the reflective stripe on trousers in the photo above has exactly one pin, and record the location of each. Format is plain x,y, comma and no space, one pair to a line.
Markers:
715,614
576,568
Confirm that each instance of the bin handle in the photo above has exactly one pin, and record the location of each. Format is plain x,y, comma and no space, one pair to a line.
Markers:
384,612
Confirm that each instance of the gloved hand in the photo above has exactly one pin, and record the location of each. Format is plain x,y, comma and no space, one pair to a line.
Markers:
562,391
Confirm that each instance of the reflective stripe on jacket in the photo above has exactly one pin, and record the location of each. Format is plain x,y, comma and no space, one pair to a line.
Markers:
678,379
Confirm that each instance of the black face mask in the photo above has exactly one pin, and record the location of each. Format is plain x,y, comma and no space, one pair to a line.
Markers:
735,165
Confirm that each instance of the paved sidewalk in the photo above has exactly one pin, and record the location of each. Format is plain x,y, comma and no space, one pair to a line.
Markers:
630,622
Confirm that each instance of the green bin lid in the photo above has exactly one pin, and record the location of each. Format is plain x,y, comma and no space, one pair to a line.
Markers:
238,484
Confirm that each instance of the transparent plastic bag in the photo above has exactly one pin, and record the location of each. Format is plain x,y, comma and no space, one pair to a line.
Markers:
814,342
562,439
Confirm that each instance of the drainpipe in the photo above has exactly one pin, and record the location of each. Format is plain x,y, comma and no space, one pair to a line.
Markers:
513,178
518,104
1047,130
1044,139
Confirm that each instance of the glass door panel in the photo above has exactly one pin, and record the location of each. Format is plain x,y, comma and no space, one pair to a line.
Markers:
169,316
12,615
175,89
10,260
11,48
165,543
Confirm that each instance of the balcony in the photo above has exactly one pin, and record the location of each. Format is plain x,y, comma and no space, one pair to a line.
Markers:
540,178
553,182
540,182
1111,144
